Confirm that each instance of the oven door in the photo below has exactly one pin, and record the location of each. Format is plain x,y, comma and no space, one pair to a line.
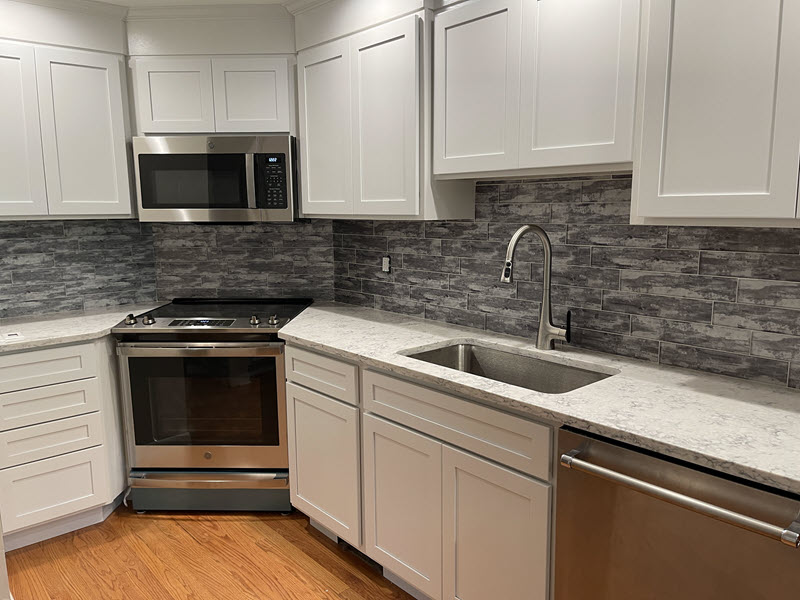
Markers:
204,405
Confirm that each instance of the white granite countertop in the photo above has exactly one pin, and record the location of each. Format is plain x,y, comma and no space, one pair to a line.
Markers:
29,333
731,425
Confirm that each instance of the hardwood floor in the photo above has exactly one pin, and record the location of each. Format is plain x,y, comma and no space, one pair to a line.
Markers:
229,556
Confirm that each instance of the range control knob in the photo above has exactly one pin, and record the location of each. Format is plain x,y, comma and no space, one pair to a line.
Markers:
273,320
130,320
148,320
254,320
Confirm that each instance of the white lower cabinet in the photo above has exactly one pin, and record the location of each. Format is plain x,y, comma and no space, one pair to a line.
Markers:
324,461
47,489
495,531
403,503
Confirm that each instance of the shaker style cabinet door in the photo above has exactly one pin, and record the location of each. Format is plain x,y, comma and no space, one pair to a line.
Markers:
496,532
83,132
403,503
578,82
385,95
22,187
476,87
174,95
251,94
323,82
720,133
324,461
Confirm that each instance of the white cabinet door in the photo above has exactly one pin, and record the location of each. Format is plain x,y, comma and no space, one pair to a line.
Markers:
495,531
323,80
476,87
403,503
324,461
720,134
83,132
22,188
251,94
174,95
578,82
385,93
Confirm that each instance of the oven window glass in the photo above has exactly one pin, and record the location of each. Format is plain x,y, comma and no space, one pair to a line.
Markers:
204,401
193,180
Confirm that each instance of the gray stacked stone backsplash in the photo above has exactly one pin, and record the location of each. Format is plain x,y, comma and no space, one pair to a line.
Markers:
252,260
60,266
723,300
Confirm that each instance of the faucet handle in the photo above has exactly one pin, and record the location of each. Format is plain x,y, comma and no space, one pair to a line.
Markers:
568,328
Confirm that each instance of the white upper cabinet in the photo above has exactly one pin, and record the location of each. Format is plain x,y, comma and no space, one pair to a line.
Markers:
83,132
174,95
323,81
385,103
207,95
476,86
251,94
720,134
22,187
578,82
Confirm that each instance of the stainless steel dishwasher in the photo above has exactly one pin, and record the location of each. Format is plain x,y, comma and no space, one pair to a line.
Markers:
631,525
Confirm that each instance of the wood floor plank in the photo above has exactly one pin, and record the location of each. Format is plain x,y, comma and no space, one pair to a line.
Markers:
235,556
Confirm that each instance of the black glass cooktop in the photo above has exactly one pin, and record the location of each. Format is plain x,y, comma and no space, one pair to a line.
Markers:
230,308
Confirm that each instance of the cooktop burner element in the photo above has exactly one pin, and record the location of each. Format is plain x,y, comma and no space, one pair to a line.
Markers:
213,316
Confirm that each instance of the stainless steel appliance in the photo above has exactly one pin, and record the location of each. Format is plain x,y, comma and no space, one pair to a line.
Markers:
203,387
634,525
215,178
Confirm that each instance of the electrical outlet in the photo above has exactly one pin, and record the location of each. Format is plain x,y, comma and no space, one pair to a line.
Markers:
386,264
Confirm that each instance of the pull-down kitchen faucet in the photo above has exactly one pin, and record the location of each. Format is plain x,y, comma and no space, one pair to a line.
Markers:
548,333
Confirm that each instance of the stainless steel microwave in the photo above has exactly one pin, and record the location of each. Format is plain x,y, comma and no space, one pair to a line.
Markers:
215,178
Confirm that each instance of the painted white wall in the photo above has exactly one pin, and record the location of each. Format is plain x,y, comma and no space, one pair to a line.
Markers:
186,30
72,23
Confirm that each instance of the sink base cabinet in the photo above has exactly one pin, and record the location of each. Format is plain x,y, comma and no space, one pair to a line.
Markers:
324,461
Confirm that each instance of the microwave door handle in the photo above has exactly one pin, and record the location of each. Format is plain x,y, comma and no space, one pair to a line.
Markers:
789,535
250,175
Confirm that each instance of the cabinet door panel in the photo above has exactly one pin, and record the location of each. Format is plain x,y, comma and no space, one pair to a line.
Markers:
403,503
323,79
251,94
578,82
721,121
324,461
476,86
495,531
22,188
83,132
174,95
385,75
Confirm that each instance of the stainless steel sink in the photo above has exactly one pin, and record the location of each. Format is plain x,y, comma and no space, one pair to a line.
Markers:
524,371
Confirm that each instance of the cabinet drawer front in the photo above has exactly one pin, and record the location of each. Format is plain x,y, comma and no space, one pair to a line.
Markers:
44,367
324,461
52,488
20,446
327,375
39,405
504,438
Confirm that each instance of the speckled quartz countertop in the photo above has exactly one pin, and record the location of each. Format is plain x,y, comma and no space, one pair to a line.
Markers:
730,425
27,334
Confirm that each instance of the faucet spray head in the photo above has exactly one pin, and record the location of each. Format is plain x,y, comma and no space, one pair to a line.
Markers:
508,270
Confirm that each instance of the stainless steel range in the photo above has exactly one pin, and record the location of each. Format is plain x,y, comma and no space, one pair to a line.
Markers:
203,387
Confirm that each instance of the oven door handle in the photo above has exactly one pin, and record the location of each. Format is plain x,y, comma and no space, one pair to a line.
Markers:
199,350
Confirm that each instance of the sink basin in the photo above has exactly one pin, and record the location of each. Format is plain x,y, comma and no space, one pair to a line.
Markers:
524,371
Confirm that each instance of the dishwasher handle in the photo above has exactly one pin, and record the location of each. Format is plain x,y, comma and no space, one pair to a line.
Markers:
789,536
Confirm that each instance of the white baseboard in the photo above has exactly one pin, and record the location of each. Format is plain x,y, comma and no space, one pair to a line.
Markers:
51,529
405,586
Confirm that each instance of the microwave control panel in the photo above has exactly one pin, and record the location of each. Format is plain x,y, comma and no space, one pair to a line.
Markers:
270,180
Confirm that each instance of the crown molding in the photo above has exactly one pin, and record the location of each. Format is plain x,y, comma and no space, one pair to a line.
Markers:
102,9
238,11
299,6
